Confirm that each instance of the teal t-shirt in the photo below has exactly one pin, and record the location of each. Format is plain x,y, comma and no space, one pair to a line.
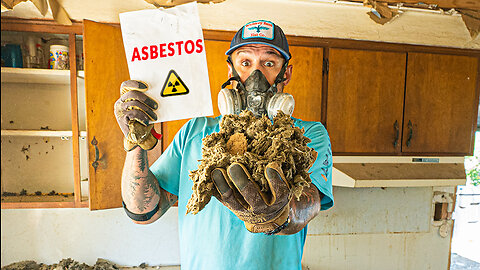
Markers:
215,238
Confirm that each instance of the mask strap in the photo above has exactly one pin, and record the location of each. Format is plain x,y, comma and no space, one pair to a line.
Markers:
235,76
229,81
280,78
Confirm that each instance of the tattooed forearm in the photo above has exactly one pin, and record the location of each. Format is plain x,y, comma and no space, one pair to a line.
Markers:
140,189
304,210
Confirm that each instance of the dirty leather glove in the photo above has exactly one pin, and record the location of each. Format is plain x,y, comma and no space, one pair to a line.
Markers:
260,211
134,110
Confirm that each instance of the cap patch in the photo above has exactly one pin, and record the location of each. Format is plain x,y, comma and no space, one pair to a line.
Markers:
258,29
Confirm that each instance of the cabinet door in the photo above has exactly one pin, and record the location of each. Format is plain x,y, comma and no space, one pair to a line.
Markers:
105,69
365,101
440,104
306,82
217,73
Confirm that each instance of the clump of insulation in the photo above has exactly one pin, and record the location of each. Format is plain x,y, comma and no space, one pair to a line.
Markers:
254,142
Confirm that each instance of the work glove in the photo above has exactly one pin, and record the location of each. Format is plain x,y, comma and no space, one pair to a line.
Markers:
262,212
134,110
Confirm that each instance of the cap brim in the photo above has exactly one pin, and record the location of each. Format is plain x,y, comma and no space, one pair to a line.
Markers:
284,54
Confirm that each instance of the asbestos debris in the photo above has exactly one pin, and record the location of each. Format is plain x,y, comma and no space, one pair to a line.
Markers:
254,142
65,264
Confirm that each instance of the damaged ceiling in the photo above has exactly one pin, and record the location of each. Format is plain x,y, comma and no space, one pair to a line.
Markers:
386,10
381,12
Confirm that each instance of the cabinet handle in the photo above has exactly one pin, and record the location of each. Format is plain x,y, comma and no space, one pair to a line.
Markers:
410,133
397,133
97,153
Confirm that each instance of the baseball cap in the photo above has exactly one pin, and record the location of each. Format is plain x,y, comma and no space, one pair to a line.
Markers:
261,32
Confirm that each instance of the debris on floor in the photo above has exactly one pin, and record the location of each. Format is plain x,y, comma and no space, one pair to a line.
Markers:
70,264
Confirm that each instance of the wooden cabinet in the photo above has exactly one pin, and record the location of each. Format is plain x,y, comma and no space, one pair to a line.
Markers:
365,100
42,131
401,103
440,103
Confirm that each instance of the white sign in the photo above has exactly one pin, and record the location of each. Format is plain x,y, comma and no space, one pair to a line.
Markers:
165,49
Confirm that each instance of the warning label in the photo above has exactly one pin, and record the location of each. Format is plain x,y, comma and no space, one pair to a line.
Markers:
173,85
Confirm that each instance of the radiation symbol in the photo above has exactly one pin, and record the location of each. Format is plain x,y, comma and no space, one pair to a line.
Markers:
173,86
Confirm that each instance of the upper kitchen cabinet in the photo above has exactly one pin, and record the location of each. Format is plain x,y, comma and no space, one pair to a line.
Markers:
440,104
43,128
401,103
365,100
306,82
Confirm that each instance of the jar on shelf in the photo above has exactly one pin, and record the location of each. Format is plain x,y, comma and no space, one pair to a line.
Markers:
58,57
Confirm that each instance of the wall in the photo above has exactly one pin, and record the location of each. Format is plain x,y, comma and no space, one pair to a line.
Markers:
369,228
50,235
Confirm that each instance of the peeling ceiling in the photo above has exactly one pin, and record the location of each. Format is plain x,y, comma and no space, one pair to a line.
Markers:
430,22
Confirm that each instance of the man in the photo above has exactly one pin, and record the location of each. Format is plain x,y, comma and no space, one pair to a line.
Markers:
225,234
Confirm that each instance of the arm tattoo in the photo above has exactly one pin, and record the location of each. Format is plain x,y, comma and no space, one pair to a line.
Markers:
140,189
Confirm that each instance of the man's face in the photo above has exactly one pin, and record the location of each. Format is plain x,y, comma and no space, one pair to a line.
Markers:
251,57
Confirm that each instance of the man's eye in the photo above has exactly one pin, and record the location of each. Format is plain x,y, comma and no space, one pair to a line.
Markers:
269,64
245,63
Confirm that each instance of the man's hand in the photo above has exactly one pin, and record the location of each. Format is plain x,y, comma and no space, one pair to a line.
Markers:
260,211
134,110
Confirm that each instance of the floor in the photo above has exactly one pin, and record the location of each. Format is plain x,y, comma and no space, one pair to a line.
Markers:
461,263
466,236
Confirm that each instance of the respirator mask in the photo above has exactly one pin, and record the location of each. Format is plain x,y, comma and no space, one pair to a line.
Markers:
255,94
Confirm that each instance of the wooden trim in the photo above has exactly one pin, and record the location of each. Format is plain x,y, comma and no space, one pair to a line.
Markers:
467,4
37,25
353,44
475,119
50,26
24,205
219,35
83,204
75,130
326,54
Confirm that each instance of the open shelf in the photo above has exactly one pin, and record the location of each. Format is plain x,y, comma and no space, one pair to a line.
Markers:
35,75
41,201
41,133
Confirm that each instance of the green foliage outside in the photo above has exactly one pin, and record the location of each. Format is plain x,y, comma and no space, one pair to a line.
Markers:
472,164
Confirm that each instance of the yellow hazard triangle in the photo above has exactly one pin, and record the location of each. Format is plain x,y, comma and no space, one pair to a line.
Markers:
173,86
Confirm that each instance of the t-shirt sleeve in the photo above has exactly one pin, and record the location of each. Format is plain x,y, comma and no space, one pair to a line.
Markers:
321,171
167,167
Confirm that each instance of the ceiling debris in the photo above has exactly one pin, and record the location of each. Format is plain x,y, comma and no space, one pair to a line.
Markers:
172,3
9,4
380,12
41,5
471,18
58,12
470,10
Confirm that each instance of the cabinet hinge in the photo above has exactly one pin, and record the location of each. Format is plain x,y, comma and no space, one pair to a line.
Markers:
325,66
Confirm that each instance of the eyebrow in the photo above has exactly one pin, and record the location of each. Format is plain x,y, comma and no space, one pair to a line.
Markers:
271,51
